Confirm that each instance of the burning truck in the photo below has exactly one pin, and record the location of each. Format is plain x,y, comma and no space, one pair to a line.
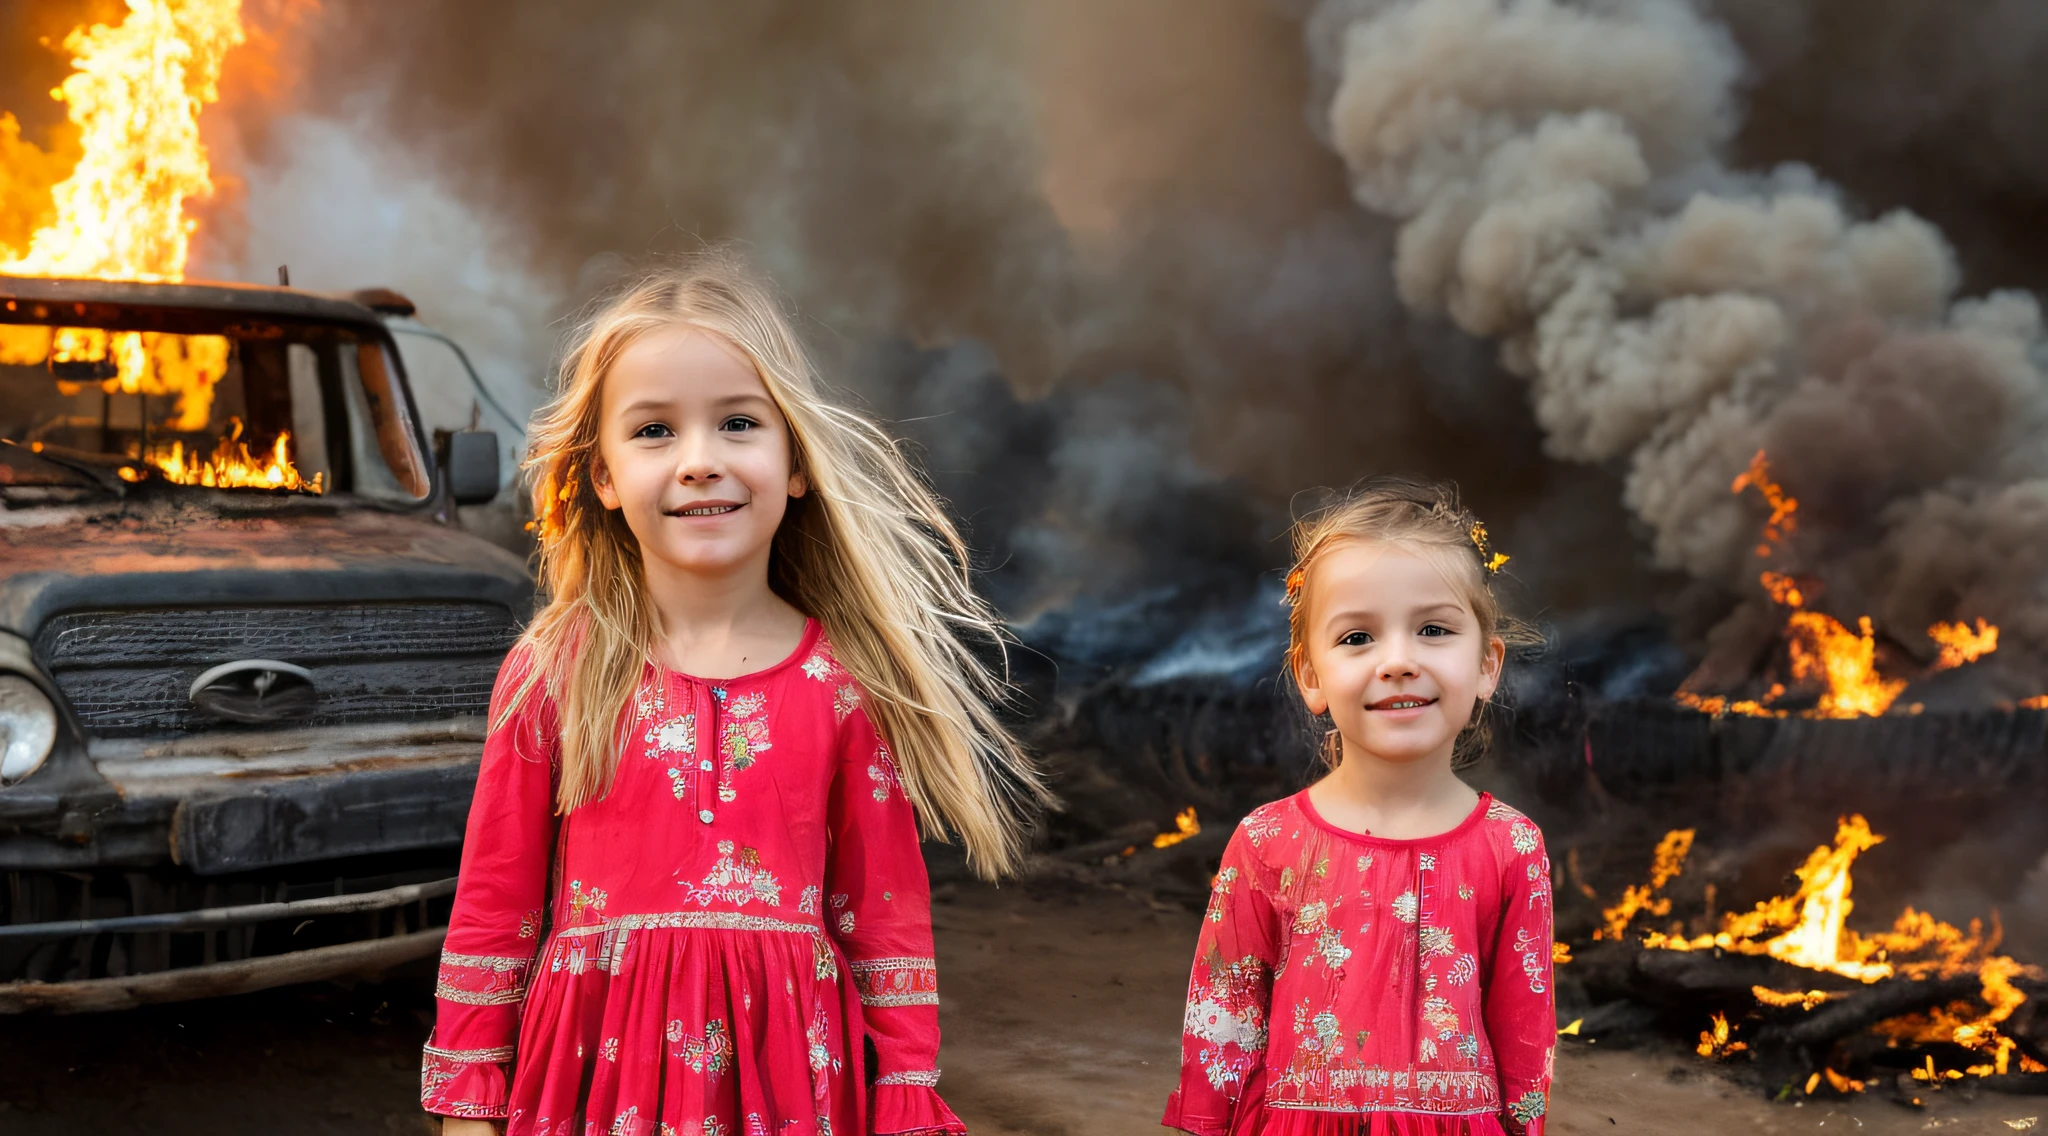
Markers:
246,648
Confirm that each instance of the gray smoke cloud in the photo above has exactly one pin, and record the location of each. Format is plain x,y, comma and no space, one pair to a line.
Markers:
1559,173
1109,222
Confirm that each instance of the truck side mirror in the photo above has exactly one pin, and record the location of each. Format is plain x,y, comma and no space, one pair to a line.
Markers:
472,465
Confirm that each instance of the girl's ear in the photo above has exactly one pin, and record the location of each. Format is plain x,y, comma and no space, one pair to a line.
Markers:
798,484
601,480
1490,665
1311,687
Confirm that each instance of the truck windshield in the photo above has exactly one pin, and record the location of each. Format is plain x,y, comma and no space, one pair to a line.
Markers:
211,401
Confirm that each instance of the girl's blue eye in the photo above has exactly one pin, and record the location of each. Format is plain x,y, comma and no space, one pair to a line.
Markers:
652,430
738,423
1354,639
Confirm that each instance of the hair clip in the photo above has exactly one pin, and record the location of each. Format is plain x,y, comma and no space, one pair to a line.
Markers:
1490,559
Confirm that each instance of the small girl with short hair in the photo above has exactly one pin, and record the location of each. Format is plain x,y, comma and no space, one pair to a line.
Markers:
691,898
1377,949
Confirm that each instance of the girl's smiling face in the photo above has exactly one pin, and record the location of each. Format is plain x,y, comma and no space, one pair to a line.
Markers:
693,453
1393,652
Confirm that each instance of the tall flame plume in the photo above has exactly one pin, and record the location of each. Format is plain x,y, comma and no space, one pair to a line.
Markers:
134,96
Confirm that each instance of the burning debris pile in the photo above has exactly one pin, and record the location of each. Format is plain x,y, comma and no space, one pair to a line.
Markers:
1833,671
134,99
1791,988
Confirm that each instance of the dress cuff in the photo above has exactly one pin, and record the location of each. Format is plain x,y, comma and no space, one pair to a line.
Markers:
906,1104
472,1084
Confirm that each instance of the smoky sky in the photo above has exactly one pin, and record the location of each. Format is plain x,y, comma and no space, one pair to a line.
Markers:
1120,214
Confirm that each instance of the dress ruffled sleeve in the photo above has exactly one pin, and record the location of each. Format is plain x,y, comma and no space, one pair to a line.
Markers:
879,909
1521,1014
1223,1039
494,931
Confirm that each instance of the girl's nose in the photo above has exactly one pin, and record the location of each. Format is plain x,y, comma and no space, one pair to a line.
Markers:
1396,664
694,464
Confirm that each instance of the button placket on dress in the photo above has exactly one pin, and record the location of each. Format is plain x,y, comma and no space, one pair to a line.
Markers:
711,755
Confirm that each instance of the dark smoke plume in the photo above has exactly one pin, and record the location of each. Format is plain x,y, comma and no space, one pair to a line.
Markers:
1559,173
1121,203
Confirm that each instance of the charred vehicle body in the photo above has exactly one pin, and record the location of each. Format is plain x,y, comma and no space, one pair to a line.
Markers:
245,650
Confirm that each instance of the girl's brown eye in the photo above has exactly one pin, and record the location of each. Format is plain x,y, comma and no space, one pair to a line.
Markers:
1355,639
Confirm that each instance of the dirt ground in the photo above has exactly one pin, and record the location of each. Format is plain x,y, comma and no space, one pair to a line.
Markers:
1072,1029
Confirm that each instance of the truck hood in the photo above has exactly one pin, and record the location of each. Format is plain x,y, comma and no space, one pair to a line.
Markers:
173,552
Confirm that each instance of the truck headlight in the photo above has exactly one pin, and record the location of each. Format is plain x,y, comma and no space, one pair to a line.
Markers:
28,728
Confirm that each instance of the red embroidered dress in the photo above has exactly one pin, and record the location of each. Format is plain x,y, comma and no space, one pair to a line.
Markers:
728,924
1346,984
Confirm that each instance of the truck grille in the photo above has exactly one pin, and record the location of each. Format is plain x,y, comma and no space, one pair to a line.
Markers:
130,672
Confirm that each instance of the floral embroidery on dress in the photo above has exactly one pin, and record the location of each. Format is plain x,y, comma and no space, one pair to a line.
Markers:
744,735
1219,893
1532,961
581,901
807,903
626,1123
1523,837
883,773
1405,907
845,701
1261,826
609,1049
1437,941
1441,1016
1426,862
737,878
1529,1106
1465,891
676,735
529,925
819,1037
710,1055
1230,1014
649,701
1464,970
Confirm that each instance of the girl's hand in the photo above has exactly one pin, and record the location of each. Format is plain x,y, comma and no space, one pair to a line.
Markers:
453,1126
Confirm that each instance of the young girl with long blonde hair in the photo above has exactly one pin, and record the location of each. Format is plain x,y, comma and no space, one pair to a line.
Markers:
691,898
1376,956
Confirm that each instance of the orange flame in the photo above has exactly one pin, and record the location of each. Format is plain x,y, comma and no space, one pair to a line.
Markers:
1809,929
1717,1042
232,466
1843,663
1186,826
1784,507
1960,644
134,95
1665,863
1846,663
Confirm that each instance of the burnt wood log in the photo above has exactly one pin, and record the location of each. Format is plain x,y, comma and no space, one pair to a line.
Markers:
1867,1007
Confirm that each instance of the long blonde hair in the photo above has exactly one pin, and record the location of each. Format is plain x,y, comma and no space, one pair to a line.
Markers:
1427,517
867,551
